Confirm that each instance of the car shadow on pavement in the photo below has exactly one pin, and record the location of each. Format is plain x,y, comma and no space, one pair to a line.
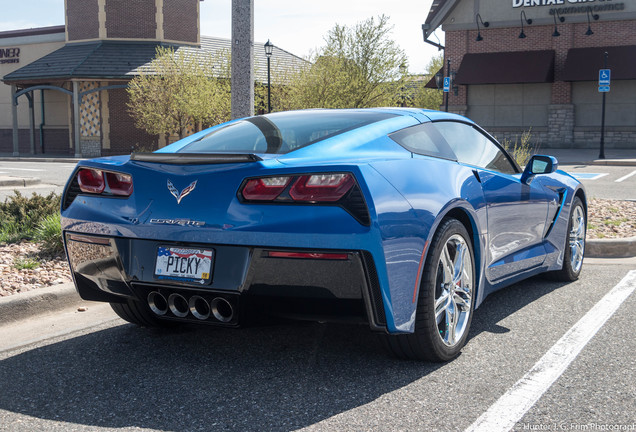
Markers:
281,377
268,378
500,304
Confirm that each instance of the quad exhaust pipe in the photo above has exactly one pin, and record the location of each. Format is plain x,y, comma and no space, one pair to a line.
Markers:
219,308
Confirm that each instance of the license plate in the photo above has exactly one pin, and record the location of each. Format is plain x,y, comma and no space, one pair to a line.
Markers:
184,264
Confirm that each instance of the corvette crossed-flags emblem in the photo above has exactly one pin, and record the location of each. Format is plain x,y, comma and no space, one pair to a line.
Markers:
179,196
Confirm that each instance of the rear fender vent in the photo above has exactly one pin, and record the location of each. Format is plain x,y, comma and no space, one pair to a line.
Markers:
374,288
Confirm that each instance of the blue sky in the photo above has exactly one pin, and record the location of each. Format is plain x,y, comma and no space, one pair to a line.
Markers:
296,26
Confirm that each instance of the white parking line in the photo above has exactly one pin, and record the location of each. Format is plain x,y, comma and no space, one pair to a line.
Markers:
625,177
23,169
512,406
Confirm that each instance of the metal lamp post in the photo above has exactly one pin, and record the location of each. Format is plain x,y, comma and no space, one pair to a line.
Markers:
269,49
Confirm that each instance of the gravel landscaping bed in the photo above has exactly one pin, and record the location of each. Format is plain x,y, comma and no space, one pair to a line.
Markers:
15,277
607,219
611,219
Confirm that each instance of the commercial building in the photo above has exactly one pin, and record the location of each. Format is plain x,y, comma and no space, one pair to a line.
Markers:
70,81
522,65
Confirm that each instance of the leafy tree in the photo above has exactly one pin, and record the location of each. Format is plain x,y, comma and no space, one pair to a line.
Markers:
427,97
359,66
178,89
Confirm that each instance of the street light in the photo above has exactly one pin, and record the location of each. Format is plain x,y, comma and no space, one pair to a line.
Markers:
269,49
589,13
485,24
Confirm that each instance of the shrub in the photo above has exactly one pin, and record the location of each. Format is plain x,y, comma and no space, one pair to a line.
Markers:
21,215
49,233
522,149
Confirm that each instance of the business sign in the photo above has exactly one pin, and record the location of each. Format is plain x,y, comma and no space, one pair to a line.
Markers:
572,6
9,55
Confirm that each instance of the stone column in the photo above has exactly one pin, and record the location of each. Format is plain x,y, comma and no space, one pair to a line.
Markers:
242,58
76,119
560,126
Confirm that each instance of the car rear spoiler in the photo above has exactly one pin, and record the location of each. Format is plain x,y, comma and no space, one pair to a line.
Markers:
194,158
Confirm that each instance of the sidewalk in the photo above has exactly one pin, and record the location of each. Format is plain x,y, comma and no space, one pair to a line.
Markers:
616,157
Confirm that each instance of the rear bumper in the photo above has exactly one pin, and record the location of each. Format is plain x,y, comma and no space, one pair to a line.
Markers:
114,269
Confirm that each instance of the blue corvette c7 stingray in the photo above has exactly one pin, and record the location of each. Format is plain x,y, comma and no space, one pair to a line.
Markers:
404,219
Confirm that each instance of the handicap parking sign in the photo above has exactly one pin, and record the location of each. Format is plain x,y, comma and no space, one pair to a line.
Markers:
447,84
604,76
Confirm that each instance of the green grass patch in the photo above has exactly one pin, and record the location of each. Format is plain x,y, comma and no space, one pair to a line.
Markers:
615,222
49,233
26,263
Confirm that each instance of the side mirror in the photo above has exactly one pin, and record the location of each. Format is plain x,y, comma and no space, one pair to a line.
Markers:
539,164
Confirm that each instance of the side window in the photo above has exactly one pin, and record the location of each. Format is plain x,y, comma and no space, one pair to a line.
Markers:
424,139
474,148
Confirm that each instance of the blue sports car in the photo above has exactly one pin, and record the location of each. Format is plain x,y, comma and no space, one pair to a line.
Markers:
403,219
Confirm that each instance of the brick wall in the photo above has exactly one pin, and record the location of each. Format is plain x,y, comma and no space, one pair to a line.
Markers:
561,131
606,33
180,21
82,18
124,135
55,141
133,19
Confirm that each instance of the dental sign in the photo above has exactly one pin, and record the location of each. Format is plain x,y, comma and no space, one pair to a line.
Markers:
531,3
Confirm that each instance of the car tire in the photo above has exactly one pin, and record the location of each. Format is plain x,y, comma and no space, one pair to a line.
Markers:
449,282
138,313
574,247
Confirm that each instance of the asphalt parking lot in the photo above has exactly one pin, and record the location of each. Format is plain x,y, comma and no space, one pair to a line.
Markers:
609,182
103,374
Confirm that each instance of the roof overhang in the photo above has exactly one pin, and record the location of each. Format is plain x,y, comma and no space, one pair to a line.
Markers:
583,64
507,68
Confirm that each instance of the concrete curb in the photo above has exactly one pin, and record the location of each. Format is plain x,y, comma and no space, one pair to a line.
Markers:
607,162
18,181
611,248
25,305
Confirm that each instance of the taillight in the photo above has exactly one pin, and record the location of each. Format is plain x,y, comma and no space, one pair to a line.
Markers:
119,184
314,188
96,181
329,189
91,180
321,187
265,189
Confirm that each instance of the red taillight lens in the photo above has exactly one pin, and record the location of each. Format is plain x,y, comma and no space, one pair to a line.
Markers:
119,184
91,180
94,181
321,187
265,189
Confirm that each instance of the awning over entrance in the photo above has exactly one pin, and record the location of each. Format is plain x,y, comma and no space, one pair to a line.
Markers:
507,68
583,64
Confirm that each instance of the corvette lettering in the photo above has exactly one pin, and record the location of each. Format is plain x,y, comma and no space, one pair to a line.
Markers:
182,222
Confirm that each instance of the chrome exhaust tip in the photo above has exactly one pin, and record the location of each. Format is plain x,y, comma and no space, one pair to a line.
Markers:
199,307
222,309
157,303
178,305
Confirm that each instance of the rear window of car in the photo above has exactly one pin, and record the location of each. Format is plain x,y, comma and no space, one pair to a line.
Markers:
282,133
